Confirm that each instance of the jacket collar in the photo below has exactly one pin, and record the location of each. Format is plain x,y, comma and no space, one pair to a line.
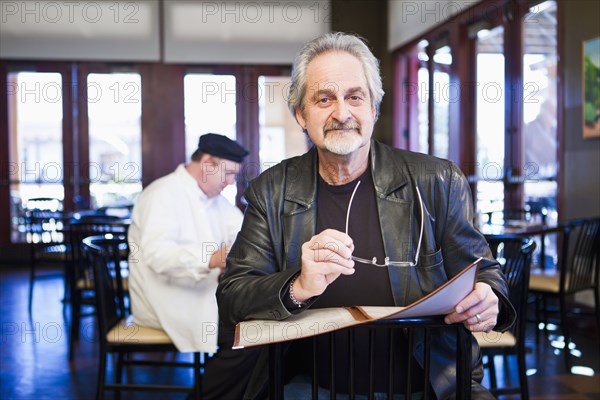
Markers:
301,182
384,159
302,173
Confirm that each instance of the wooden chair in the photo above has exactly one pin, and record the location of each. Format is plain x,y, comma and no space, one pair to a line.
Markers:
118,334
578,271
515,258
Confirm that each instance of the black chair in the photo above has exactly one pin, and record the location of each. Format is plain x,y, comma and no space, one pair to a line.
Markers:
80,272
497,243
118,334
578,271
514,255
43,227
410,328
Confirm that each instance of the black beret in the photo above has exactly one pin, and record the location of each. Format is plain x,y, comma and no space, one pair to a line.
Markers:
222,147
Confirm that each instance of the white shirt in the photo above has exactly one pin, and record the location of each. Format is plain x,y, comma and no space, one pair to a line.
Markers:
175,229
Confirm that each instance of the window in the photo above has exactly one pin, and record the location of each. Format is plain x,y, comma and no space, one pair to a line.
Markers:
441,96
210,107
501,127
423,95
115,138
490,89
280,135
540,106
434,93
539,123
35,142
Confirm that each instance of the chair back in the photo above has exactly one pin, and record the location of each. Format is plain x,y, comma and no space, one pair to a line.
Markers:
516,265
421,339
579,267
80,269
497,243
108,254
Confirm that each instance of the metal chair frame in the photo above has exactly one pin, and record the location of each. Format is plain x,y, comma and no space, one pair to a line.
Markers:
107,254
579,270
410,325
79,269
516,255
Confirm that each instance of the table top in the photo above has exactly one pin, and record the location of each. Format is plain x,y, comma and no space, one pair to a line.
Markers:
520,228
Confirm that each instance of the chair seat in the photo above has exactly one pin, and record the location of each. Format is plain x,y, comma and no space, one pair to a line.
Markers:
495,339
127,331
88,284
548,283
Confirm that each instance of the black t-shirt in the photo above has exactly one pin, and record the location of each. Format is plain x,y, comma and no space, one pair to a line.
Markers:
369,285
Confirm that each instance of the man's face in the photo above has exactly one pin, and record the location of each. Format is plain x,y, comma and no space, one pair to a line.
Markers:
217,175
337,114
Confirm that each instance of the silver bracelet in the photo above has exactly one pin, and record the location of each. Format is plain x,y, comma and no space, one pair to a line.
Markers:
294,300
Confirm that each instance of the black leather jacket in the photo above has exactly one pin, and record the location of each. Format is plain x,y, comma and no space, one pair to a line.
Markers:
281,216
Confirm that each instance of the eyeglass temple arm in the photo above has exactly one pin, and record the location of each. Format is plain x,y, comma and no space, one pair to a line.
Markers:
387,259
350,205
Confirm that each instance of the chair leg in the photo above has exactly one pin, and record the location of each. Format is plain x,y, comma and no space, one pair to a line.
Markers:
506,365
129,371
597,311
119,373
75,321
31,281
492,368
66,288
522,372
538,307
197,394
545,314
101,374
565,329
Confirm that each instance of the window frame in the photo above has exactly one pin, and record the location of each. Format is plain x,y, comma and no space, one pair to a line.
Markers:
462,146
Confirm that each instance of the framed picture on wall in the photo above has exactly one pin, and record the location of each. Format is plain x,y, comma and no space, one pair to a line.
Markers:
591,88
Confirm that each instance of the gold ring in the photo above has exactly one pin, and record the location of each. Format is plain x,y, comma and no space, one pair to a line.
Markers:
478,318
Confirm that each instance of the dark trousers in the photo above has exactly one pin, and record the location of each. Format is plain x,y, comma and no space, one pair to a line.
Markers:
227,373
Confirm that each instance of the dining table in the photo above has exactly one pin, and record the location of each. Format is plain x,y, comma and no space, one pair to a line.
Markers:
523,229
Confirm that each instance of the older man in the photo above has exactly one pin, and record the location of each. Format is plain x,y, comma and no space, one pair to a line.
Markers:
355,222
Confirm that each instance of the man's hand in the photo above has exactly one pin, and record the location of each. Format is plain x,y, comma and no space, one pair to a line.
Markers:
219,257
478,311
324,257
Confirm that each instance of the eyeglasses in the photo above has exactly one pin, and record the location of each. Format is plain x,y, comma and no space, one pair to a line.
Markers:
386,261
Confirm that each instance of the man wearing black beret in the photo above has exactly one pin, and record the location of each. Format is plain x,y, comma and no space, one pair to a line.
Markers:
182,228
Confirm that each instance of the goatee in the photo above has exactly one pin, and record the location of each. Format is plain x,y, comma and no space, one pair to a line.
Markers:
342,138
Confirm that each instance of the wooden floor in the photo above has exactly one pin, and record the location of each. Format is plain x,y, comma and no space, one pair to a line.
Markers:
34,365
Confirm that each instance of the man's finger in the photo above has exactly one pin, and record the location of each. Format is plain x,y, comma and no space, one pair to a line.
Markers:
472,299
325,244
338,235
328,268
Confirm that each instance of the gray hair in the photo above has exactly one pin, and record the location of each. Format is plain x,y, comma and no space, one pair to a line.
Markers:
336,41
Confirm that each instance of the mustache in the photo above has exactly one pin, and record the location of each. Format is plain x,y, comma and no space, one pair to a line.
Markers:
335,125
